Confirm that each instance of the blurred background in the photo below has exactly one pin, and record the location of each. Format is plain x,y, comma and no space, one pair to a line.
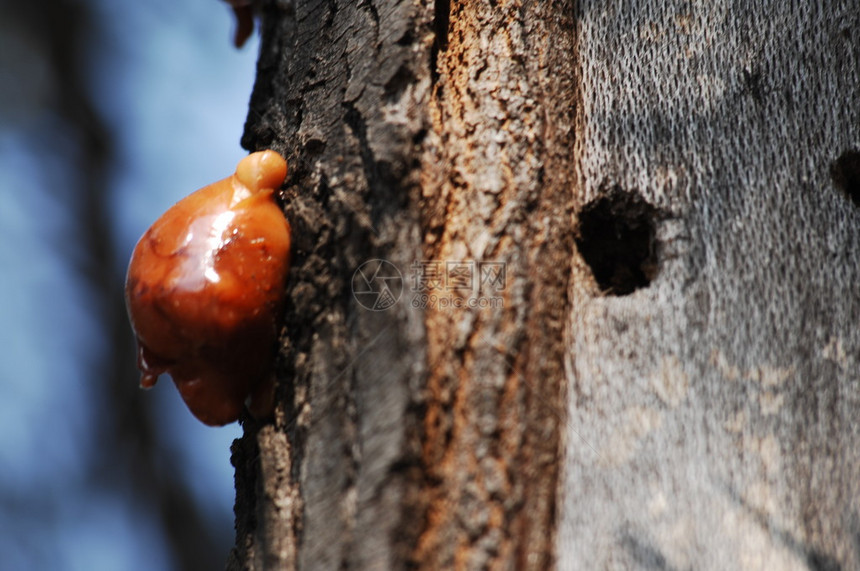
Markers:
110,111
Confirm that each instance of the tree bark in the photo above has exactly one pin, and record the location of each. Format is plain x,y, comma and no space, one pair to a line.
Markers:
667,373
712,418
342,93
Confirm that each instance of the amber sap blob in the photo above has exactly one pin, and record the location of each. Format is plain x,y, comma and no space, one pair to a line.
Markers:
205,290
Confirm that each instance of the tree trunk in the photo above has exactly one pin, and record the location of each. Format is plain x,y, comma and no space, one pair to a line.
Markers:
628,239
712,419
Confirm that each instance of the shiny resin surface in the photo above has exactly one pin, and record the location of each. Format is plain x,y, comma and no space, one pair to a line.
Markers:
205,291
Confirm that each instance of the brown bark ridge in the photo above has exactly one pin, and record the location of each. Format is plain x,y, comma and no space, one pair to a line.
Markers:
498,187
424,435
713,399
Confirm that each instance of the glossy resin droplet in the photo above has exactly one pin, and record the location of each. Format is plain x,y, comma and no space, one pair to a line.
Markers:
205,288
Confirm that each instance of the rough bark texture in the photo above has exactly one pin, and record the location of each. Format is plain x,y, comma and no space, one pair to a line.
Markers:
713,413
419,435
498,185
668,376
341,92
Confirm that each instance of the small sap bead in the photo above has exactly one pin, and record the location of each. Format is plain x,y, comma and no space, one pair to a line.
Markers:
244,12
205,289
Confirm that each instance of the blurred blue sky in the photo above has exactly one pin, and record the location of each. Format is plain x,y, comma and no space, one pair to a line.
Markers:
173,92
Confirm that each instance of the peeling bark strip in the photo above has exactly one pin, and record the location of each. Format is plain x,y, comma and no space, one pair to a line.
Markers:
713,412
497,182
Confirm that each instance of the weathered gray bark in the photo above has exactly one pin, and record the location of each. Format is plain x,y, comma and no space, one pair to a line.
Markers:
670,379
713,414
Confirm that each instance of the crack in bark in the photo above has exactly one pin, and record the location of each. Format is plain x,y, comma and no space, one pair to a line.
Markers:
441,23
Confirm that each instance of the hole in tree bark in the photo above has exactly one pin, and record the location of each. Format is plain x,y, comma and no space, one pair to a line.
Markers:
616,239
315,146
845,172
